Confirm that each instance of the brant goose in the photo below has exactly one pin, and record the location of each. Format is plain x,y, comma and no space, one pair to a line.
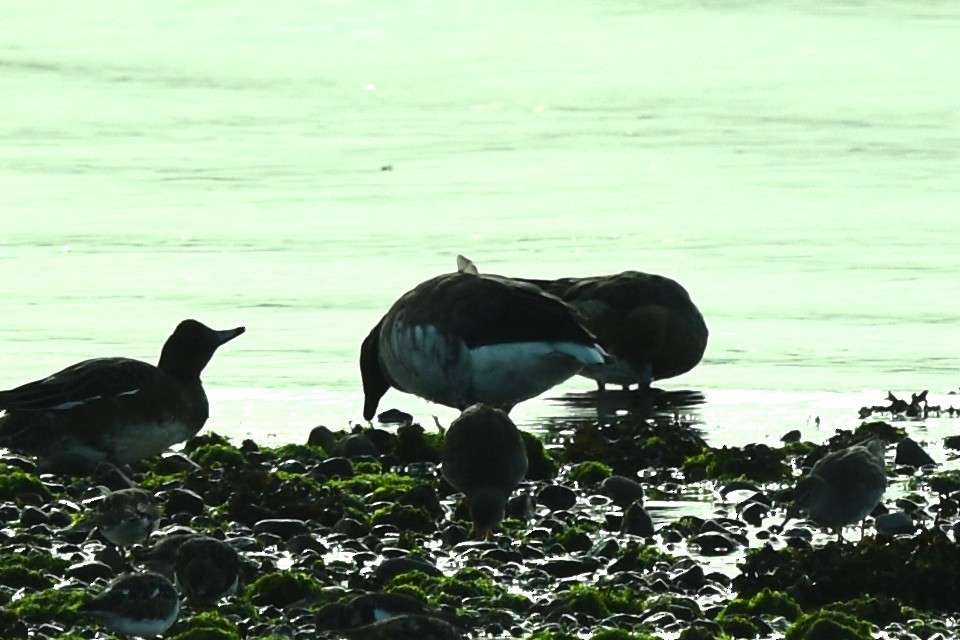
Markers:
117,410
484,458
842,488
463,338
647,322
136,604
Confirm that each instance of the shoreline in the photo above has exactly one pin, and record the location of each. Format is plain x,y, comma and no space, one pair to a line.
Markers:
574,559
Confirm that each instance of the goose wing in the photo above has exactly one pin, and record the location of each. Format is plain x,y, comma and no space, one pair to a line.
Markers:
80,383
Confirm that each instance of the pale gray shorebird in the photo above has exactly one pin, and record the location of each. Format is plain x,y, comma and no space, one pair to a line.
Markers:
127,516
463,338
842,488
136,604
484,458
647,322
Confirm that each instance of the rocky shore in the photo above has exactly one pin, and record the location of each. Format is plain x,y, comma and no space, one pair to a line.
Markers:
354,534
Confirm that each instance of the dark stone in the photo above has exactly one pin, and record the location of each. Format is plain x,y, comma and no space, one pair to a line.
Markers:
174,462
19,462
301,542
910,453
9,512
897,522
715,544
692,577
59,517
284,528
292,466
557,497
337,467
754,512
621,490
111,557
31,515
606,548
356,445
570,566
395,566
182,500
351,527
394,416
321,436
89,571
637,522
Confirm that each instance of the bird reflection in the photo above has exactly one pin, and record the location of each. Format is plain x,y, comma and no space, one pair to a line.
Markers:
611,404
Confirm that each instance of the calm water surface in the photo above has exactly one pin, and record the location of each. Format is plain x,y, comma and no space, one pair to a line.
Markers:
295,167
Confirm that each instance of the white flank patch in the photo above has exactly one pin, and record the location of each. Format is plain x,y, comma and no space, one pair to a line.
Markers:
427,363
510,373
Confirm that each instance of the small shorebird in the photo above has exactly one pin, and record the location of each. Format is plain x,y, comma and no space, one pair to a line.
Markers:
463,338
127,516
647,322
136,604
117,410
842,488
484,458
206,570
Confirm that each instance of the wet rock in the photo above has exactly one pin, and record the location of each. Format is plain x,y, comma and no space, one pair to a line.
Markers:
637,522
336,467
753,513
911,454
621,490
283,528
321,436
407,626
897,522
30,516
395,566
557,497
180,500
394,416
356,445
91,570
715,543
569,566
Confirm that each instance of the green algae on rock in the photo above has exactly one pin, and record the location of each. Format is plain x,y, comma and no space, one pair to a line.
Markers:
282,588
590,473
632,444
922,572
35,571
829,625
206,625
767,602
452,590
757,462
620,634
541,463
604,599
51,604
17,486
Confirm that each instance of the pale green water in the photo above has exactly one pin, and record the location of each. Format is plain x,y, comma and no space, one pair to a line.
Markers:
795,165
